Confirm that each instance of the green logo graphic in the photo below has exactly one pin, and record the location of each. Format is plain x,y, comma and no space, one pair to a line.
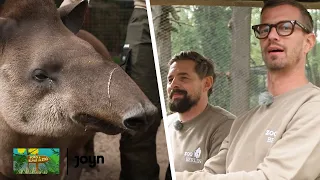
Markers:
36,160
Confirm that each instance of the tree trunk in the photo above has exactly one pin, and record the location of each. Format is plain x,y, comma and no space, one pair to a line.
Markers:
163,39
240,60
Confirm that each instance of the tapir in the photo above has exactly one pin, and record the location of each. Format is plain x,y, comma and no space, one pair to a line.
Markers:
56,90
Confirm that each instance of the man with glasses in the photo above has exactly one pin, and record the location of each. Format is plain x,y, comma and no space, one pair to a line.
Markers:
279,139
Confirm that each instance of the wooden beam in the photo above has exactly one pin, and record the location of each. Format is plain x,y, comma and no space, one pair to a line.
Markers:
208,2
246,3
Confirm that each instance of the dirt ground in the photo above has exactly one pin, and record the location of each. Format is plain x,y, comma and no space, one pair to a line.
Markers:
108,146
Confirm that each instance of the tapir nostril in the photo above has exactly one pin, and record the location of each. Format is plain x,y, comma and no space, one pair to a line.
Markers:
136,124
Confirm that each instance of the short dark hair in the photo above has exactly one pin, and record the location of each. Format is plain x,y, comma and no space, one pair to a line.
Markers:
204,66
306,17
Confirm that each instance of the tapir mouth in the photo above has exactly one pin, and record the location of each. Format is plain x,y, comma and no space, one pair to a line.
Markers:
91,123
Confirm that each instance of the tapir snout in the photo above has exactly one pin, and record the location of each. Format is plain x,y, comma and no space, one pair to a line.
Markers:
110,106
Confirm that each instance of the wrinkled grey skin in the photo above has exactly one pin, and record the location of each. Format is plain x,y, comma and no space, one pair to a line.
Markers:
55,89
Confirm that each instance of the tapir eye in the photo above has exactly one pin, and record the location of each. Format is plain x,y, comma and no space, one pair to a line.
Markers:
40,75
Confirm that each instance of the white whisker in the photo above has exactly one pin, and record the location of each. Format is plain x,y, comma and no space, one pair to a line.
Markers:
109,82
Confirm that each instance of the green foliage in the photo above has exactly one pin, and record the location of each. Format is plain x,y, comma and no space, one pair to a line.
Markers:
205,29
19,161
32,171
186,36
256,58
215,40
257,81
314,55
50,167
53,164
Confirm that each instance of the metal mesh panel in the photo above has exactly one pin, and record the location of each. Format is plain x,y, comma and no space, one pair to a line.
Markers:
108,20
224,35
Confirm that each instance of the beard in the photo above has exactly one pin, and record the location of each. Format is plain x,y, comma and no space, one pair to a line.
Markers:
184,104
276,63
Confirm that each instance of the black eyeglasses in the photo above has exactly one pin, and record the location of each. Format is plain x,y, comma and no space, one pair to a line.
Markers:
283,28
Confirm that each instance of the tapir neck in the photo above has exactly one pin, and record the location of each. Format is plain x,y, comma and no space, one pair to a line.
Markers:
11,139
7,137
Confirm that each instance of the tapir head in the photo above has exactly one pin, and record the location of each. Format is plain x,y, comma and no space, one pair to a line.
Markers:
54,84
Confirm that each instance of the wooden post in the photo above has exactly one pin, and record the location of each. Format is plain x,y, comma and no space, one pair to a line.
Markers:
163,39
240,59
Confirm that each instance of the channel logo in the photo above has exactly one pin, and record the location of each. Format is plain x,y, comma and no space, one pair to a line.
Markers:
36,160
47,161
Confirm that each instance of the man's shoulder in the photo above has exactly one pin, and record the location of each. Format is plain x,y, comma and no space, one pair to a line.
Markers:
304,96
309,92
310,101
220,113
314,93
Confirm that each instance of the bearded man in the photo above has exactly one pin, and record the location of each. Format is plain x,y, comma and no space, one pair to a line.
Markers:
197,128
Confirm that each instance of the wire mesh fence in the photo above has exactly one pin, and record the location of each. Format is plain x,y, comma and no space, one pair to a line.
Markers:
223,34
108,20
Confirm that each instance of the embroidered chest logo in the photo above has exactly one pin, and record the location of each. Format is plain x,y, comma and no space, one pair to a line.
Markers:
193,156
270,135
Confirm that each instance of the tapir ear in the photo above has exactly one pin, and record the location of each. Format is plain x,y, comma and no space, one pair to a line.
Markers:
72,15
7,28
